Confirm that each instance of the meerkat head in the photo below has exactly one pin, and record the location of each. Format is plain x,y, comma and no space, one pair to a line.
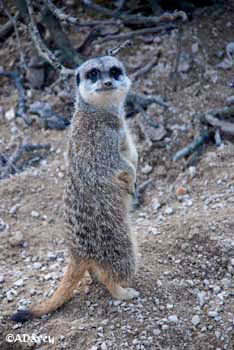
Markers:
103,83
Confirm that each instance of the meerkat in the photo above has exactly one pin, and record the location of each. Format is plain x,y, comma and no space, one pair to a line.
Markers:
100,184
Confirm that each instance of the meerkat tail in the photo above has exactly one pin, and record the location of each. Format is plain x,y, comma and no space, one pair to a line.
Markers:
63,293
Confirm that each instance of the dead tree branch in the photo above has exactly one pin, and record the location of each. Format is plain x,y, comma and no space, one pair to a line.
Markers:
17,154
146,68
136,19
213,125
21,102
42,49
137,32
191,147
8,28
13,19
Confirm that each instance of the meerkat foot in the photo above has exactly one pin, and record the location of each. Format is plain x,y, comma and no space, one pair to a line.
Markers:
124,293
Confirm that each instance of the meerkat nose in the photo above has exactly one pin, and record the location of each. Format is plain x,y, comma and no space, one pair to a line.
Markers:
108,83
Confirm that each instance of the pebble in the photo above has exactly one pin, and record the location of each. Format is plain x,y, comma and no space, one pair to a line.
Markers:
2,279
10,294
201,296
19,282
184,62
156,331
216,289
169,211
10,114
14,209
173,319
155,204
37,265
35,214
103,346
213,314
16,238
196,320
147,169
230,100
232,261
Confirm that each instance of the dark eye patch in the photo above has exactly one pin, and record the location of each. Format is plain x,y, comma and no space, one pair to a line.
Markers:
115,72
93,75
78,79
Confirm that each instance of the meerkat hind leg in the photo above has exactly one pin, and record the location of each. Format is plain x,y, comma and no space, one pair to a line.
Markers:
115,289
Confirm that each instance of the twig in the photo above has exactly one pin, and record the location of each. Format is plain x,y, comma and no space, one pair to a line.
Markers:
48,55
135,100
132,34
196,143
24,147
145,69
21,101
137,19
224,126
8,28
13,19
115,50
71,20
218,138
138,199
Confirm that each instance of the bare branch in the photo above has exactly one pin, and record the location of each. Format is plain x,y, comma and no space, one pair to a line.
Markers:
224,126
115,50
137,32
137,19
41,47
146,68
13,20
21,102
20,150
196,143
7,28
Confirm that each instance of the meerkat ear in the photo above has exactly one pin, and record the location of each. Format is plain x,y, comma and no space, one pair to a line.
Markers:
78,79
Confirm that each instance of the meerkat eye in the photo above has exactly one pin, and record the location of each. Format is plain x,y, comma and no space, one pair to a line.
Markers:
78,79
115,72
93,75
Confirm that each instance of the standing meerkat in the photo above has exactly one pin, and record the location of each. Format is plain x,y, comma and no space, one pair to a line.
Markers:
100,184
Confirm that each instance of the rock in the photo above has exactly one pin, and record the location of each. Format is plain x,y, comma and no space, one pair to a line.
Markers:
216,289
232,261
3,225
181,191
155,204
169,211
19,282
173,319
10,294
2,279
10,114
37,265
196,320
35,214
201,296
184,62
14,209
16,238
229,100
103,346
147,169
195,48
225,64
213,314
230,50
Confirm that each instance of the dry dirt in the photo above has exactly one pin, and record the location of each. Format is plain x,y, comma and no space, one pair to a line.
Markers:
186,272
